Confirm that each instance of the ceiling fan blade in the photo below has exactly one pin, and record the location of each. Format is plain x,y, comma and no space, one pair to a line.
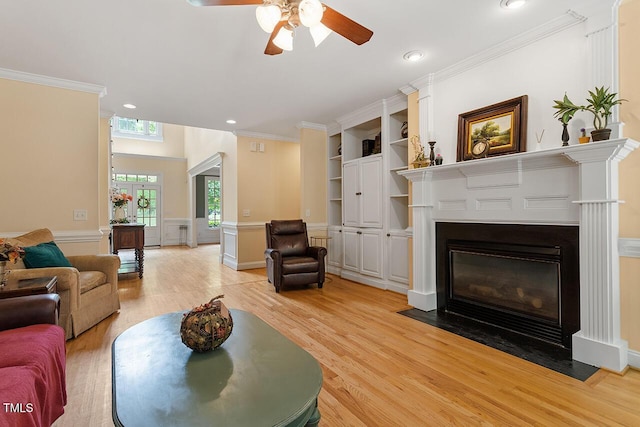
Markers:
223,2
271,48
346,27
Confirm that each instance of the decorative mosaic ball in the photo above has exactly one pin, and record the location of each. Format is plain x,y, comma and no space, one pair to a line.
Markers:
207,326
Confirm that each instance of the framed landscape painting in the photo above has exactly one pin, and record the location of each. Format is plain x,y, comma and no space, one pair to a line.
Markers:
499,129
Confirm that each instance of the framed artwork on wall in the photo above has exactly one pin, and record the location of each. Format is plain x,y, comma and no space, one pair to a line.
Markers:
494,130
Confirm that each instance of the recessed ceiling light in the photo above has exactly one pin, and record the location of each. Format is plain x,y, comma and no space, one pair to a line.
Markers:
512,4
129,106
413,56
231,122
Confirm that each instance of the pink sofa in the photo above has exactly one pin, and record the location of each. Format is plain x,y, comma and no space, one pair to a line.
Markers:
32,361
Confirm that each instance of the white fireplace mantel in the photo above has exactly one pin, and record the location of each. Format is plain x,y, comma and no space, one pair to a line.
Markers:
574,185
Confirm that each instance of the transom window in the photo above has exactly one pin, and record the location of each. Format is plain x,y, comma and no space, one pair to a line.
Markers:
132,177
122,127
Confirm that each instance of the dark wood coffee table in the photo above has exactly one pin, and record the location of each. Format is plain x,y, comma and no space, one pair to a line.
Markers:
256,378
19,288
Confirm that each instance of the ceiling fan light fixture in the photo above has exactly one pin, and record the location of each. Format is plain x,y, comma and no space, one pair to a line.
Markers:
268,16
284,38
319,33
310,12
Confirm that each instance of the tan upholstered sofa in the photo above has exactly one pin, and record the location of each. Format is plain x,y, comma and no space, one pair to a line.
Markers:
88,290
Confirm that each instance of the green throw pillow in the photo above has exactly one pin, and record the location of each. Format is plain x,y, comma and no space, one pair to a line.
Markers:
45,255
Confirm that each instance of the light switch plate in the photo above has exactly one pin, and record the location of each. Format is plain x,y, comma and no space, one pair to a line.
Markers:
79,214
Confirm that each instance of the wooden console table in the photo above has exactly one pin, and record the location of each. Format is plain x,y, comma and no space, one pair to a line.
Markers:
129,236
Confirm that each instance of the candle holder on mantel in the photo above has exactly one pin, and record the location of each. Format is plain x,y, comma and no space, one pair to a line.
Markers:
432,154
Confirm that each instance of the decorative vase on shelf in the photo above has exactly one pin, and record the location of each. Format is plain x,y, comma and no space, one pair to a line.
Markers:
119,213
565,135
404,130
432,154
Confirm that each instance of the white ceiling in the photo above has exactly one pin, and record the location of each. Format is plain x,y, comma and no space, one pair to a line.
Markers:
199,66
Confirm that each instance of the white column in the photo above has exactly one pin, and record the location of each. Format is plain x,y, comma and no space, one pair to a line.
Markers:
602,37
423,294
598,342
425,111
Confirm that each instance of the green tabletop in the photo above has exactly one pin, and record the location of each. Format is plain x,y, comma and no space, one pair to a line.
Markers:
258,377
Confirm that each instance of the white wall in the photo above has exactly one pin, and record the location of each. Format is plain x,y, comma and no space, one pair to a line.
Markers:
543,70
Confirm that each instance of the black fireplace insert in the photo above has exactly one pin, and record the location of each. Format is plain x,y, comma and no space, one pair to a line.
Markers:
522,278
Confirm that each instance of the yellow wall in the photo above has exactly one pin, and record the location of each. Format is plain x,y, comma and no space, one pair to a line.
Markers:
630,169
313,179
51,160
268,187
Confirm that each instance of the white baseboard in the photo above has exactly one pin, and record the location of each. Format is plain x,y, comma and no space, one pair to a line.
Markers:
629,247
634,359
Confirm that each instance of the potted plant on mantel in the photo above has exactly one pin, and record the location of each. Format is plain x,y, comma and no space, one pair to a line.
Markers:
600,103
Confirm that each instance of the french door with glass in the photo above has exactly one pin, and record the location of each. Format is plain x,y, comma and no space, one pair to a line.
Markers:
144,209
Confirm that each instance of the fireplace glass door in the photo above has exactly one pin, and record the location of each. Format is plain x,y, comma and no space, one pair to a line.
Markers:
516,284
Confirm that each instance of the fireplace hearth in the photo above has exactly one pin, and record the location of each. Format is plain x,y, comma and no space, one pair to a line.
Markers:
520,278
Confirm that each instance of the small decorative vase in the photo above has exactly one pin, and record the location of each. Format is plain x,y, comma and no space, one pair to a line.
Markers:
583,139
119,213
207,326
565,135
404,130
600,134
432,154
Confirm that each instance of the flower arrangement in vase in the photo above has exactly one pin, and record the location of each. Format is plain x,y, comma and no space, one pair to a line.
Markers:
119,201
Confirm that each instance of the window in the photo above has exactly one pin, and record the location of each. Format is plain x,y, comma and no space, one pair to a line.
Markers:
213,201
140,129
124,177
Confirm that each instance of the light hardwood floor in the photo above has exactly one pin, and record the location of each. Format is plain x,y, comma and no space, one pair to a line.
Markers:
380,368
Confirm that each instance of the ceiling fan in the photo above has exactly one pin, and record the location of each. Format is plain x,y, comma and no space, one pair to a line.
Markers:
281,17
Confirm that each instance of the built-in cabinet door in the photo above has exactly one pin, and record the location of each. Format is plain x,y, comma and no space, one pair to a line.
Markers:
362,192
351,245
398,258
335,247
350,196
371,250
371,192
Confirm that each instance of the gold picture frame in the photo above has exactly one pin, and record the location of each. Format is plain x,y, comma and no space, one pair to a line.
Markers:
503,126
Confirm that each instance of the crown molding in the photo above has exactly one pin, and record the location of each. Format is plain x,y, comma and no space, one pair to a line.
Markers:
314,126
259,135
395,103
21,76
362,115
